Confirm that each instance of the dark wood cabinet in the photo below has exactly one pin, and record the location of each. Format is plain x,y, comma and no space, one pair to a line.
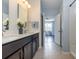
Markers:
17,55
28,51
35,41
34,47
24,48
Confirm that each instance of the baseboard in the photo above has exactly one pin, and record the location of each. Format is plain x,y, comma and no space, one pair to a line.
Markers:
70,53
66,52
74,55
57,44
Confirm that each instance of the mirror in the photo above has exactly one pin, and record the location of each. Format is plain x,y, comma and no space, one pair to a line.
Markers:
22,15
14,11
5,15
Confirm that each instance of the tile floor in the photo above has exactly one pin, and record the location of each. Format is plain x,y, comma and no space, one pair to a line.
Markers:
51,51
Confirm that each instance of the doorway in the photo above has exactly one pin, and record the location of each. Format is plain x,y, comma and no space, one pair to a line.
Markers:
49,28
52,28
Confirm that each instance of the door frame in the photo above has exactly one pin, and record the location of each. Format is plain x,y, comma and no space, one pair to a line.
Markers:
42,32
61,30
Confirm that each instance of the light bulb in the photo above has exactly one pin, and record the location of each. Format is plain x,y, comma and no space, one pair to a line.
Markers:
23,0
29,6
26,2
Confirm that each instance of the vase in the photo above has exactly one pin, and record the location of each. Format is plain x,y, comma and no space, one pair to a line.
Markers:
20,30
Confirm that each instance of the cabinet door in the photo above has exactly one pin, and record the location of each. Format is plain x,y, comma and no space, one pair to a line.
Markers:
34,47
28,51
37,43
16,55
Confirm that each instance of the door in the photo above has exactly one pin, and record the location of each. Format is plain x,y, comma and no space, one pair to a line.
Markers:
72,29
34,46
57,29
17,55
28,51
37,42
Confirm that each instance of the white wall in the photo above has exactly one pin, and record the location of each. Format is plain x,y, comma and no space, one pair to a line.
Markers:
65,25
73,29
68,29
34,15
34,11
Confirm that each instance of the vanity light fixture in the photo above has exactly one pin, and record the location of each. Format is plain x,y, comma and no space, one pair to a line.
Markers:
18,1
23,0
29,6
26,2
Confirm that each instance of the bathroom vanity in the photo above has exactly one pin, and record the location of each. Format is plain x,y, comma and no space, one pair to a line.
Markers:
20,47
16,45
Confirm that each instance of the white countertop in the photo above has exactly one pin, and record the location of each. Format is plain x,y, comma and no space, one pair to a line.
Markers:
16,37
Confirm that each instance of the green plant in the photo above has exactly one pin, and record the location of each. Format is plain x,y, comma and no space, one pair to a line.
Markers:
20,25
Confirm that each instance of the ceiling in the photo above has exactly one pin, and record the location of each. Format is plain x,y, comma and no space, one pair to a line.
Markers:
50,8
